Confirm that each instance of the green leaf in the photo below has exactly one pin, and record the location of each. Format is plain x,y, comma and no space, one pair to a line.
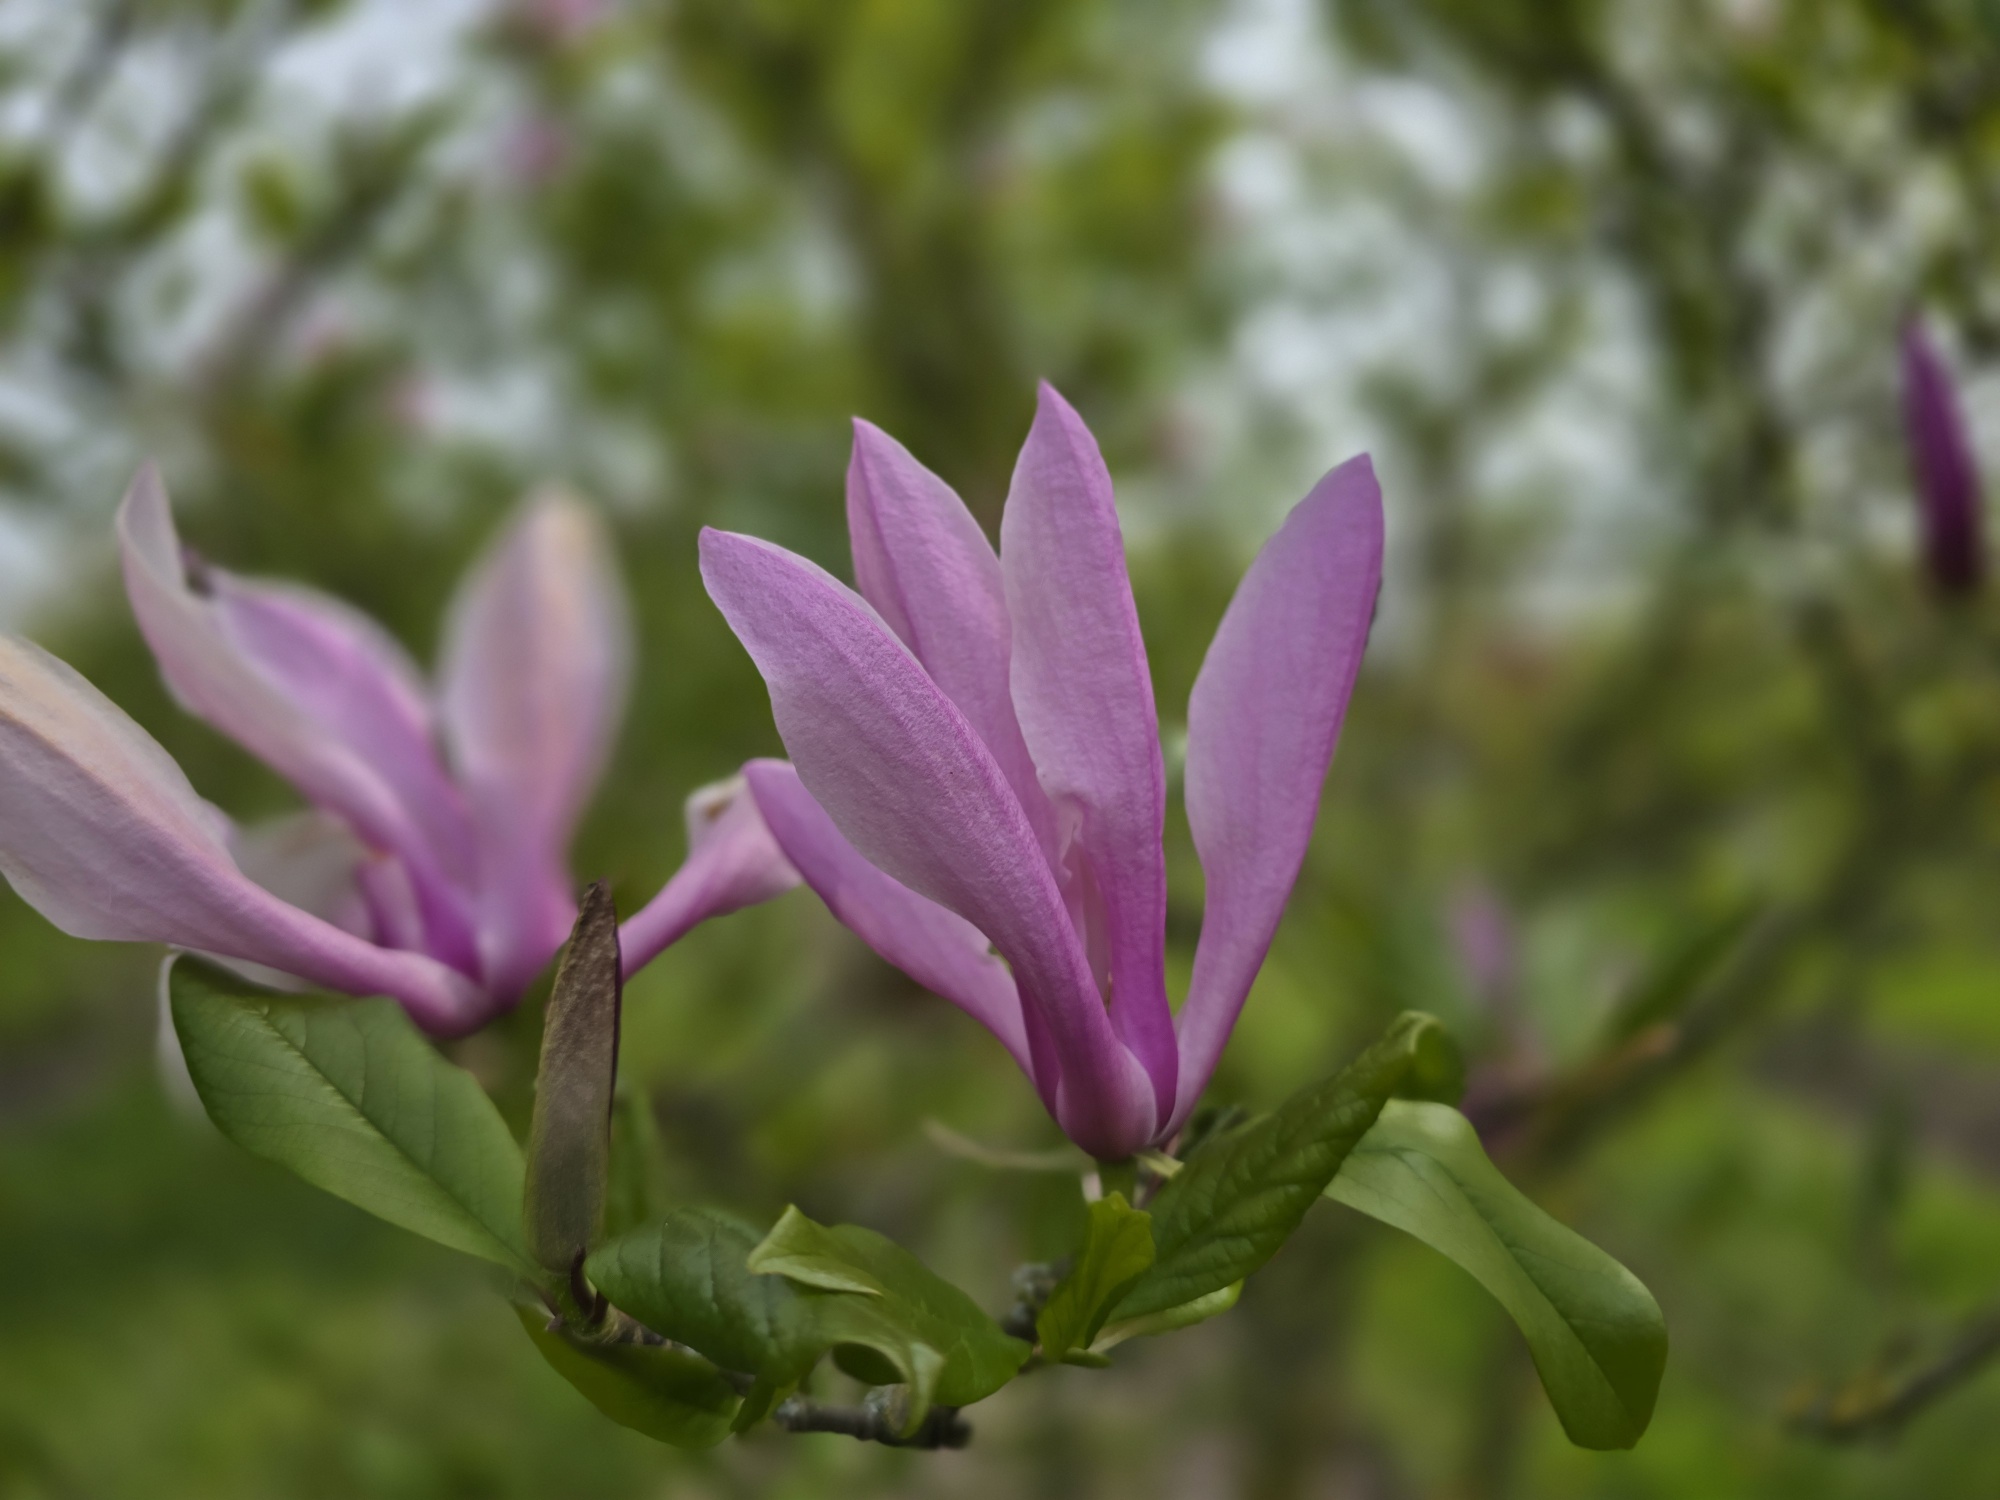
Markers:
1595,1332
884,1286
569,1140
688,1278
1117,1251
1243,1195
350,1096
1168,1320
666,1393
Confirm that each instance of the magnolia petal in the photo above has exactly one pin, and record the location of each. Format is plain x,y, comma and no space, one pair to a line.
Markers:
732,862
910,784
922,561
102,834
310,861
313,689
1263,720
537,652
1085,699
351,678
941,951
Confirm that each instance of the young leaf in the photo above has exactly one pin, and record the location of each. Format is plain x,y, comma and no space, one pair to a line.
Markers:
349,1096
1169,1320
687,1277
569,1141
1240,1198
1117,1250
659,1390
1595,1332
878,1283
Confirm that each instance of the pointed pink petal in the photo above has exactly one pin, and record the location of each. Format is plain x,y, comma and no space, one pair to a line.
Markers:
732,862
921,560
1085,700
535,662
313,689
1262,723
908,782
943,952
101,833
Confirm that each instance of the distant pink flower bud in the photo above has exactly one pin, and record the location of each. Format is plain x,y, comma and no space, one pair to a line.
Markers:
1949,505
535,150
1483,936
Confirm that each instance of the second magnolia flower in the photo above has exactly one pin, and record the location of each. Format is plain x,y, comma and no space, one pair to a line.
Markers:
436,866
976,765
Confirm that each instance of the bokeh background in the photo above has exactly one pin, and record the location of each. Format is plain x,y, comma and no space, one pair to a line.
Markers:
1670,780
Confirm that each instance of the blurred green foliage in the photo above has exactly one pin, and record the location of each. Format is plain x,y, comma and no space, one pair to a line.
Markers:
1678,728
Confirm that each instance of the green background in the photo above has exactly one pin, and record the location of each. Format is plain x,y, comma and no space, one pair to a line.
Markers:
1611,293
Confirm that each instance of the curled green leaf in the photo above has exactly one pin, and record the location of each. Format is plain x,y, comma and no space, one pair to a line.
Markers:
872,1283
1595,1332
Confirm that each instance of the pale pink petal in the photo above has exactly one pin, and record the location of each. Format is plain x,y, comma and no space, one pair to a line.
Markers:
922,561
732,862
943,952
909,783
1262,723
1085,700
309,687
351,679
101,833
536,655
310,861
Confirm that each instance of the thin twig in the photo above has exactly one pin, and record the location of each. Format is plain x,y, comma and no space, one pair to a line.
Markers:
1878,1405
942,1427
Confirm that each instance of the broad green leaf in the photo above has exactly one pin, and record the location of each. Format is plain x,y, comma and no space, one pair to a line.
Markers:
688,1278
668,1394
878,1280
569,1140
1243,1194
809,1253
1117,1250
350,1096
1595,1332
1168,1320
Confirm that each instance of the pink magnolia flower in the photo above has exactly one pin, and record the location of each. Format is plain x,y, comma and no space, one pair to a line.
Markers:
976,768
435,869
1942,463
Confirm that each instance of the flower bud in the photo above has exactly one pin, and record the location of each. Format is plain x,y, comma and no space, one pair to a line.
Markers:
1943,469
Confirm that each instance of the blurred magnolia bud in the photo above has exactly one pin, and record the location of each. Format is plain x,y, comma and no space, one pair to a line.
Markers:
1482,935
1942,467
556,22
